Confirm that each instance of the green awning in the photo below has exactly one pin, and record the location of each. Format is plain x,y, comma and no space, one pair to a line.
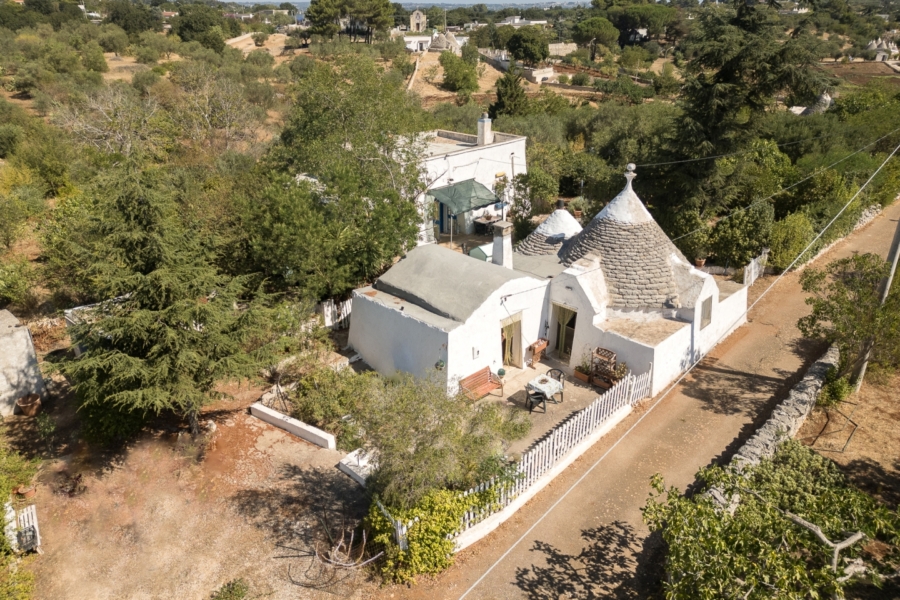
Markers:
464,196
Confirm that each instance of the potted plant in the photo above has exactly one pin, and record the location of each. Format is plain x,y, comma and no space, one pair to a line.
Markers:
577,206
29,405
583,369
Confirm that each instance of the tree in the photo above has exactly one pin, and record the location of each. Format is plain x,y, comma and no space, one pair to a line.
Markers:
259,38
132,17
738,239
470,54
356,129
529,44
426,440
173,326
112,38
162,44
847,310
459,76
763,546
511,98
200,23
92,58
593,31
324,16
788,239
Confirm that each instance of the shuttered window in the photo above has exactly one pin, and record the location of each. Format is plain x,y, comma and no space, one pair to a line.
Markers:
706,312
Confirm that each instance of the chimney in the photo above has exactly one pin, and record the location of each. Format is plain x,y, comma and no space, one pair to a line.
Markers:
503,252
485,135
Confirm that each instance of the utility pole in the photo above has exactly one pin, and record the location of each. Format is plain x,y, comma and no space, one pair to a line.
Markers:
893,257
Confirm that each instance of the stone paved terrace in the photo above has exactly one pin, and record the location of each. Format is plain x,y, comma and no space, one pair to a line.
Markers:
577,395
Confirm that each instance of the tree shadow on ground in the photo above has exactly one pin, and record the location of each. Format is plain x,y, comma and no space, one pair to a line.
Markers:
875,479
614,563
304,513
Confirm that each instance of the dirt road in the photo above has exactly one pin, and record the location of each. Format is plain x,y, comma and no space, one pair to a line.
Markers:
594,544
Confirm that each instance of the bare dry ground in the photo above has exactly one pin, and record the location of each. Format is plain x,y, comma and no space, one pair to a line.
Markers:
160,519
432,93
861,73
860,435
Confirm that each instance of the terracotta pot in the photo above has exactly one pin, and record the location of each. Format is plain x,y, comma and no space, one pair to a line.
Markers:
581,376
30,405
600,383
26,492
577,214
699,261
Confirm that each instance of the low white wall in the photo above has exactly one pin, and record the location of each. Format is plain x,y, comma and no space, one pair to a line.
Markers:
389,341
671,358
477,532
19,371
728,315
291,425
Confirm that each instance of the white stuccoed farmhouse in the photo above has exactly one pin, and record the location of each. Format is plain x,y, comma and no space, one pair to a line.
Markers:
620,284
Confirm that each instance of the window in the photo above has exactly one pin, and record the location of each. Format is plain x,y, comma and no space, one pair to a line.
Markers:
706,312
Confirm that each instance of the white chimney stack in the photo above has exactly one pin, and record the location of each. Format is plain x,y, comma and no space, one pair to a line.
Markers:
503,251
485,135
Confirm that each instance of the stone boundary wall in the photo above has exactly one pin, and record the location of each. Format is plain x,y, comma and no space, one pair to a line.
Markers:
566,86
789,416
868,215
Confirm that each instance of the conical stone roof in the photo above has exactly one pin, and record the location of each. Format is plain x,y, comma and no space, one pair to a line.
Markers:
635,255
550,235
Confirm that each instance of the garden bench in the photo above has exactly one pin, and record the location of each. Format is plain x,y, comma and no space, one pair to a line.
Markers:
480,384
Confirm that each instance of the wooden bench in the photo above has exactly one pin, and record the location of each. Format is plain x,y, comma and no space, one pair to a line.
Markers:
480,384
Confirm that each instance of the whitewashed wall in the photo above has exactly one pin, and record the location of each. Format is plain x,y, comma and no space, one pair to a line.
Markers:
728,315
670,358
476,344
389,340
481,163
19,371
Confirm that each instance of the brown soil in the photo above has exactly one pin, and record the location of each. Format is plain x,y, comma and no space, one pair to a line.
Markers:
168,518
860,435
274,46
861,73
487,82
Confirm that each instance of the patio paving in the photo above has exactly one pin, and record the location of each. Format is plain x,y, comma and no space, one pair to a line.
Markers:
576,396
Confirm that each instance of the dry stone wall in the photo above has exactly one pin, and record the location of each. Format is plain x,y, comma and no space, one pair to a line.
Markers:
789,416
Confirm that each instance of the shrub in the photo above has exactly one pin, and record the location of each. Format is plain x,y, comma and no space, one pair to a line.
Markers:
146,55
236,589
581,79
835,388
144,80
334,401
10,135
260,38
459,76
563,79
15,282
788,238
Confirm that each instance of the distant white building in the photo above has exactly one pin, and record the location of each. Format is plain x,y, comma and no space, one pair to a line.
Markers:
418,21
520,22
463,172
619,284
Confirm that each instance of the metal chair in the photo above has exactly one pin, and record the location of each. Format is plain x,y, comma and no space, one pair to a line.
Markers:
535,399
561,378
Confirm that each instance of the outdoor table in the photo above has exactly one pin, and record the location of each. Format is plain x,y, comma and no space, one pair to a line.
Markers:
548,386
483,225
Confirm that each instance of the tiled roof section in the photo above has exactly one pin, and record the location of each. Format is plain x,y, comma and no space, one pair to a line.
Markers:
635,258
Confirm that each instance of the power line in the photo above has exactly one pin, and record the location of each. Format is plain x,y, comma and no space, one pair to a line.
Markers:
793,185
676,383
687,160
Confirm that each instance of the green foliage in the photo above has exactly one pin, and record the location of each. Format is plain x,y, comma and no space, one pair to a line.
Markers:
145,55
16,207
562,78
429,551
470,54
200,23
835,389
737,240
788,239
16,582
847,310
10,136
875,94
92,58
581,79
459,75
133,17
172,325
15,470
236,589
335,402
758,552
529,44
598,29
624,88
427,440
260,38
15,281
694,233
511,98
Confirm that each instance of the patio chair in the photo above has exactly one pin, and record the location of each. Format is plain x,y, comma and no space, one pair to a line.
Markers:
535,399
561,378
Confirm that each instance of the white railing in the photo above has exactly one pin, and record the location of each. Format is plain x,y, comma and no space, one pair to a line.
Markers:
756,267
546,453
335,314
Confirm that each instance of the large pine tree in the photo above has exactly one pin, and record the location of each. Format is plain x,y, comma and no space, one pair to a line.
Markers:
172,325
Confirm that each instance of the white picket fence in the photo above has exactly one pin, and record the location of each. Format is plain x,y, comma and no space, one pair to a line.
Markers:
335,314
546,453
756,267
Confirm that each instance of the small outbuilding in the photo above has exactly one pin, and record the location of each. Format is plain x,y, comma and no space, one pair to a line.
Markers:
19,371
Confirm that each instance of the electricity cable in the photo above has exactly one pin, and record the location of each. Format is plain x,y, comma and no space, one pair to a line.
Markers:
676,382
